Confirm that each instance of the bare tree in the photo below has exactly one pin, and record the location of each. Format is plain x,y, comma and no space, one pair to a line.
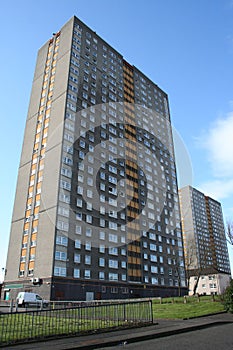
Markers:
179,270
199,271
190,259
194,266
229,232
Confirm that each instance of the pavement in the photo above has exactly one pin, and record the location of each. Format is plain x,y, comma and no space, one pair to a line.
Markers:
161,328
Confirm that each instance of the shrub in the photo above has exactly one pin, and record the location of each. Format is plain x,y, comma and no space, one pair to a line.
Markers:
228,298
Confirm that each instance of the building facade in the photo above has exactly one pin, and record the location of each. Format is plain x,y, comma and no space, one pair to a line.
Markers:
205,244
96,211
210,284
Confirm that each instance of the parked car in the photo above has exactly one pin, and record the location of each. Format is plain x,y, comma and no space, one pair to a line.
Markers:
25,299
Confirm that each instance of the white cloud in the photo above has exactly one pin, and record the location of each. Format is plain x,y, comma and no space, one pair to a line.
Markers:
218,141
218,189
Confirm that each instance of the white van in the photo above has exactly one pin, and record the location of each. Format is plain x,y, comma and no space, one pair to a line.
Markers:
25,299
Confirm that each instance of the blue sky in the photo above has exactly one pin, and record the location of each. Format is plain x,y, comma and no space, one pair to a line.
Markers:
185,46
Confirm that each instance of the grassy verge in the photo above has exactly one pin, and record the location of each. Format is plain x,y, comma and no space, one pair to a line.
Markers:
46,323
175,309
15,327
29,327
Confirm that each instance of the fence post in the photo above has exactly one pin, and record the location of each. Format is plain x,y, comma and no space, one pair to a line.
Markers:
151,310
16,306
11,306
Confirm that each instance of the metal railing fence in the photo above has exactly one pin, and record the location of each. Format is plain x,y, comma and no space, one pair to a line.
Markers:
27,325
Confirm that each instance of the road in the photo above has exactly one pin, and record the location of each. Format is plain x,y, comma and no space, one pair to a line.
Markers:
213,338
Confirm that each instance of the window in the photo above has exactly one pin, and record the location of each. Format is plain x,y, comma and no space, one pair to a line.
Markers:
102,210
113,251
113,264
112,225
87,259
102,248
63,211
79,216
169,261
60,271
152,236
161,270
152,247
66,172
114,290
102,175
112,191
113,276
123,264
33,243
88,232
61,240
81,155
101,275
211,278
79,202
76,273
89,219
77,258
88,246
153,258
67,160
101,262
89,194
102,222
154,280
87,274
78,230
61,225
82,144
154,269
77,243
60,256
113,238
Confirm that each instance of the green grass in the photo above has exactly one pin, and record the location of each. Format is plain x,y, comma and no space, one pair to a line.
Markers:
16,327
32,325
176,309
28,326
